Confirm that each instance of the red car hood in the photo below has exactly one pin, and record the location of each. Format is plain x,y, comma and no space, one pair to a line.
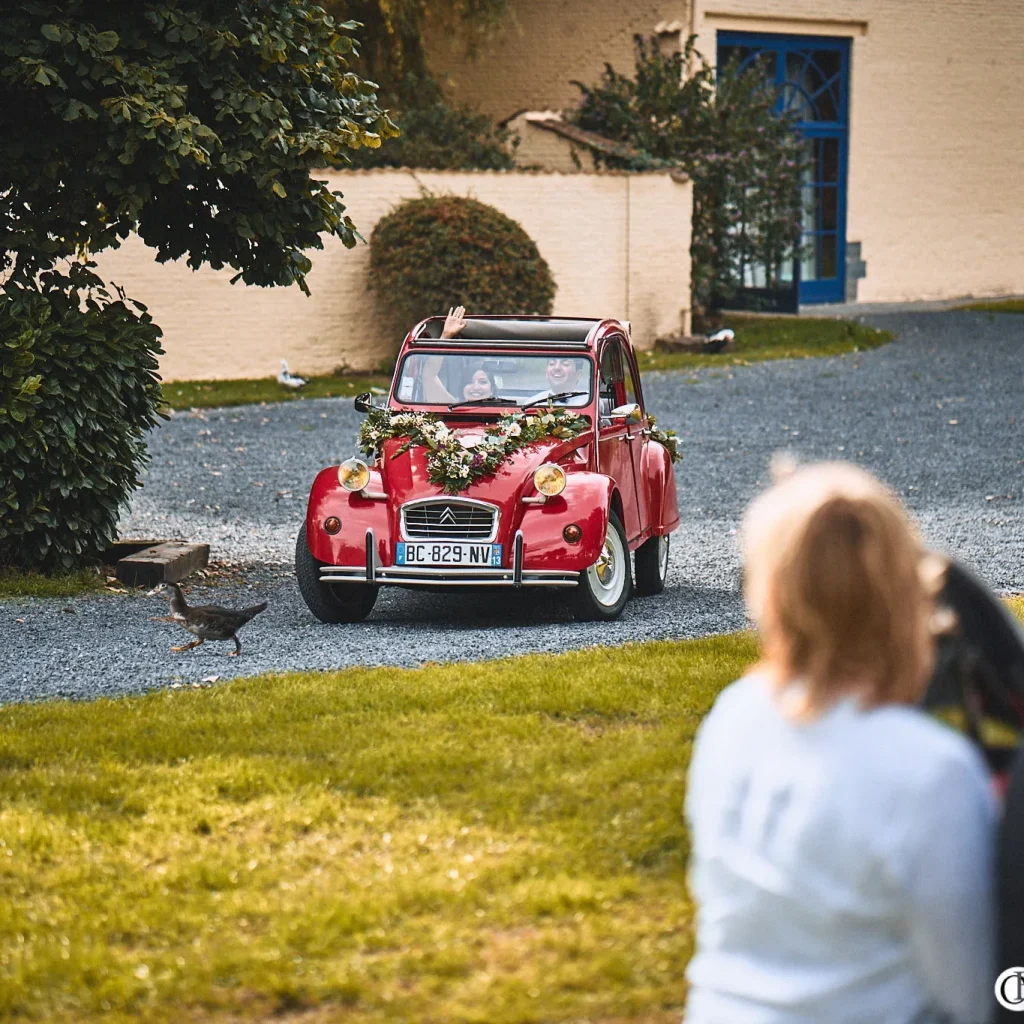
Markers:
406,477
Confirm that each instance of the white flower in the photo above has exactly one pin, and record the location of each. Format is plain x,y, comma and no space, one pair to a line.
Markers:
513,430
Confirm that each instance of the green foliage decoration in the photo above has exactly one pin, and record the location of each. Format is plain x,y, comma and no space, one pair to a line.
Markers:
78,393
193,123
667,438
438,251
452,463
724,131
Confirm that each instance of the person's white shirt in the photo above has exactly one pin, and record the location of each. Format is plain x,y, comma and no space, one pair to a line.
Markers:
842,868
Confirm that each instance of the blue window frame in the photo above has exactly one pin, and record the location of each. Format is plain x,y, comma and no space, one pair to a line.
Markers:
812,76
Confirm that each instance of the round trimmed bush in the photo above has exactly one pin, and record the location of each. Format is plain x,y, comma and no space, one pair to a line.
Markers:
435,252
78,394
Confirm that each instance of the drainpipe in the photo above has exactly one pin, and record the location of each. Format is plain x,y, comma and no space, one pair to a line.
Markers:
629,178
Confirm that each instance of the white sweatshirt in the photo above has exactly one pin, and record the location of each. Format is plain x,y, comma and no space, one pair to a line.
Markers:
843,868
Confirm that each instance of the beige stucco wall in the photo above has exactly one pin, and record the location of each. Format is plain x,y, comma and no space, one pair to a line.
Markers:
543,46
618,245
936,190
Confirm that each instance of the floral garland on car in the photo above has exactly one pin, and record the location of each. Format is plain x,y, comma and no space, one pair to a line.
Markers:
666,437
455,463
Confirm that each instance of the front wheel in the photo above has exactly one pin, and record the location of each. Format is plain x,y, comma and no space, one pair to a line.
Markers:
330,602
604,588
652,566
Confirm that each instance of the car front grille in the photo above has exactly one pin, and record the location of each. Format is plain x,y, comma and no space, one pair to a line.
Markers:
450,519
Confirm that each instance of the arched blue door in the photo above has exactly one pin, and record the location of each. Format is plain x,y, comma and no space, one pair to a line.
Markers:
811,74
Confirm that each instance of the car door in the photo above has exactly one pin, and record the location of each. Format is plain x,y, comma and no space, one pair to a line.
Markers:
616,437
637,432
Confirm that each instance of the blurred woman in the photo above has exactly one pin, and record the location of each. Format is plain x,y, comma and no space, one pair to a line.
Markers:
842,840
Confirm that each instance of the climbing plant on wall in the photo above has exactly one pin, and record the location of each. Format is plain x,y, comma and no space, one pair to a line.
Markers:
725,132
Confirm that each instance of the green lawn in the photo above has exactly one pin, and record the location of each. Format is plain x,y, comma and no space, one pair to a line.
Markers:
996,306
497,842
491,843
14,583
761,338
211,393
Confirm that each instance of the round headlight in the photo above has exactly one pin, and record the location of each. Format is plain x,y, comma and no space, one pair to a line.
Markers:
353,474
549,479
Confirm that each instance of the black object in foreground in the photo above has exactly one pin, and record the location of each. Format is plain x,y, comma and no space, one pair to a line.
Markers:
979,670
209,621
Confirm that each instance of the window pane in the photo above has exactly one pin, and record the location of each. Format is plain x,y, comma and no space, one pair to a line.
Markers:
813,84
809,258
828,208
827,249
828,166
631,392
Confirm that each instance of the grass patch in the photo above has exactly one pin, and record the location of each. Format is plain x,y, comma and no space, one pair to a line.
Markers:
495,842
14,583
759,338
208,394
995,306
762,338
1016,603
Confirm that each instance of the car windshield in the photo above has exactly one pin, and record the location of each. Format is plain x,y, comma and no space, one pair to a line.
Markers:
434,378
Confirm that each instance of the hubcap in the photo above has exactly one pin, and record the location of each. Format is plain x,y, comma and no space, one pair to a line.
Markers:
608,573
663,557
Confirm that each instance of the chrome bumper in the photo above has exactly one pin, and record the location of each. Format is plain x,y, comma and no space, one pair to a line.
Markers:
431,576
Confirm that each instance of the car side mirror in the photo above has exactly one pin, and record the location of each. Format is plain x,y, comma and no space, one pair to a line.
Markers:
363,402
630,413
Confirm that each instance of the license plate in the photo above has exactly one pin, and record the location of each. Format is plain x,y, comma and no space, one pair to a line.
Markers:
435,553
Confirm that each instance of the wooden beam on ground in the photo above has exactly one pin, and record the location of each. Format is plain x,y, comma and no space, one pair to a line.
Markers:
126,546
168,562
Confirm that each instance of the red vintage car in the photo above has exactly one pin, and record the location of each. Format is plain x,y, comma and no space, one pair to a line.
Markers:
517,454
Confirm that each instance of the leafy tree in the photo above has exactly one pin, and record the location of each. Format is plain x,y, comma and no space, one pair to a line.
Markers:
194,123
743,155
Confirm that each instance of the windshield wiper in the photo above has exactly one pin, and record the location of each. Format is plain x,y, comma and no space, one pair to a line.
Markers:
560,397
483,401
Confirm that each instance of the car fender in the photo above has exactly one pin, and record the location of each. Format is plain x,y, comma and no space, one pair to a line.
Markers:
660,489
586,501
357,515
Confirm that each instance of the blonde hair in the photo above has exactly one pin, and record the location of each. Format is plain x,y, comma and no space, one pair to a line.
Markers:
840,587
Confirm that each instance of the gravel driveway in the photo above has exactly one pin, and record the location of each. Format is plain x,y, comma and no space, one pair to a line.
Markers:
938,415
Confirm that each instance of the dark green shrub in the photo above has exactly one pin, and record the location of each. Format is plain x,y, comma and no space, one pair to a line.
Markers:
78,392
744,157
435,252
